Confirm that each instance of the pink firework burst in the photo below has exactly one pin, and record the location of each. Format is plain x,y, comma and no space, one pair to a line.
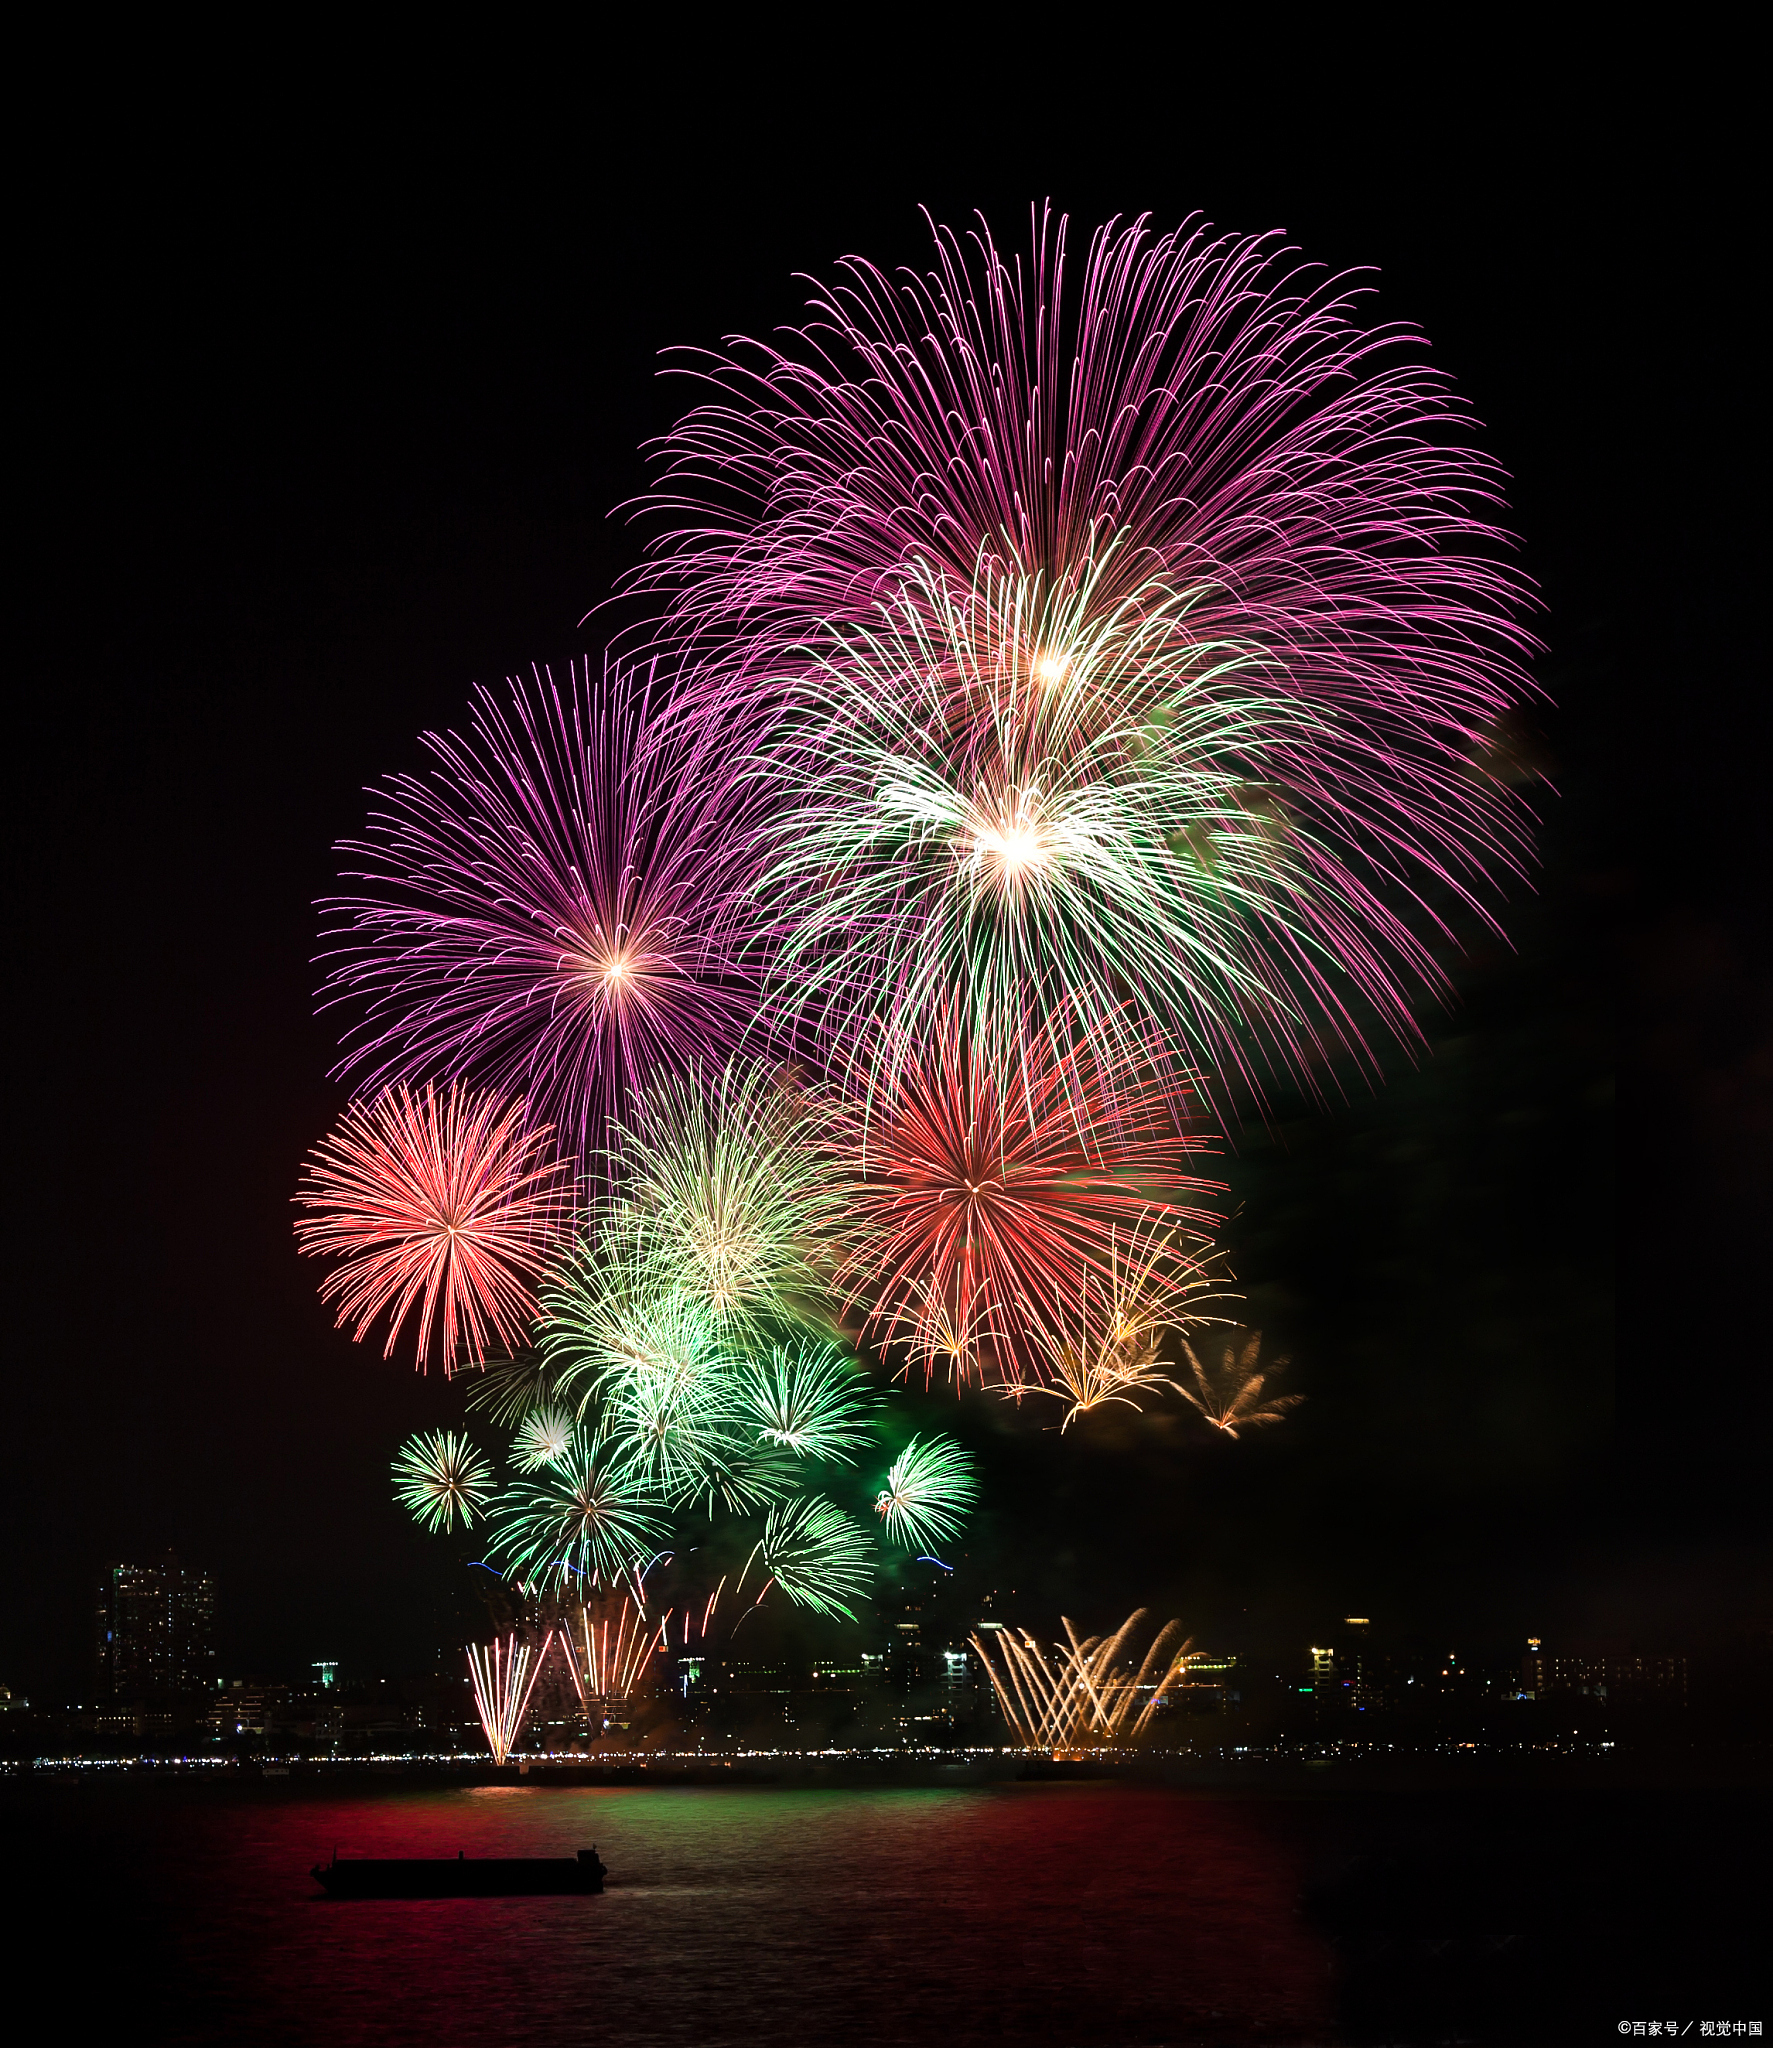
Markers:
976,1207
553,910
449,1203
1252,562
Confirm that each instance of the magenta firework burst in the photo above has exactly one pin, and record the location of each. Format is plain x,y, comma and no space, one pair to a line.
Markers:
1129,633
552,909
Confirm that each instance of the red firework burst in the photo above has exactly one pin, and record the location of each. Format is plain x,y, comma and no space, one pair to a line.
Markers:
448,1202
977,1208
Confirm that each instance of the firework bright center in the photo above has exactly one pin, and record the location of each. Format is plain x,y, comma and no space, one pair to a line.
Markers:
1011,845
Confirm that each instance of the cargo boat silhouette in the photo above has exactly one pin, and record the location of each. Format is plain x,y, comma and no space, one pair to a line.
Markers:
460,1876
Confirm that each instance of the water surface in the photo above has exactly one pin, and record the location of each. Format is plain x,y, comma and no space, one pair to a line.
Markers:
1113,1914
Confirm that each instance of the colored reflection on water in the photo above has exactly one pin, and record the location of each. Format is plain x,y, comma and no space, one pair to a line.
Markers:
1097,1915
1008,1913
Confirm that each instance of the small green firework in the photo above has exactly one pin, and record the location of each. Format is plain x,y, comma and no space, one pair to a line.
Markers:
817,1555
577,1522
543,1438
927,1492
807,1397
440,1475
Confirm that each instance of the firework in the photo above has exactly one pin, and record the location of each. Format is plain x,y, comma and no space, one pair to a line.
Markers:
645,1357
503,1682
1093,1369
440,1475
726,1191
817,1555
551,909
948,1329
1082,1693
448,1202
543,1438
977,1204
1104,1344
618,1647
607,1312
950,827
689,1439
508,1388
1148,627
1230,1395
807,1397
574,1523
927,1493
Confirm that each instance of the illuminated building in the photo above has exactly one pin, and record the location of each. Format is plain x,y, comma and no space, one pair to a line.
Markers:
1217,1676
1604,1673
154,1632
246,1707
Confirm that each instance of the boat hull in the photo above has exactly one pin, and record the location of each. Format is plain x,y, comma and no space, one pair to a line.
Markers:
479,1877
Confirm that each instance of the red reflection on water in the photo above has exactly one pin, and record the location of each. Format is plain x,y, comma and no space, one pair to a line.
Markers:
1035,1914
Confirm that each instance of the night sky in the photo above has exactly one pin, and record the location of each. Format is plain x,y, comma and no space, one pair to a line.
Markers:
318,430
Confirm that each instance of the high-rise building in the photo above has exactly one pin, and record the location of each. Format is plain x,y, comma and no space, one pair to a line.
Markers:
155,1631
1605,1671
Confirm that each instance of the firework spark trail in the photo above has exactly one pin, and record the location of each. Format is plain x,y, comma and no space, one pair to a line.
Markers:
1104,1341
1229,1396
451,1203
613,1670
1192,443
503,1683
440,1476
553,909
976,1205
1082,1692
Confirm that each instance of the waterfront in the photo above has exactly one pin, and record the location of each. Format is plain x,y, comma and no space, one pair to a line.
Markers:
1041,1913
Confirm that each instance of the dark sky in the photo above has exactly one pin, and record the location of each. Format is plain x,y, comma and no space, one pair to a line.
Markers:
324,419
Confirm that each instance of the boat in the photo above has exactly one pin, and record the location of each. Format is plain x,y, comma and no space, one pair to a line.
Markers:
460,1876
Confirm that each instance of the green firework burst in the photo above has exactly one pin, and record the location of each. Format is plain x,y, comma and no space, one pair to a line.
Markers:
817,1555
578,1521
728,1193
808,1397
928,1492
440,1475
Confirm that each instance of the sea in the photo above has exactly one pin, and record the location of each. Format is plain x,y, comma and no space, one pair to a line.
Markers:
1097,1914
